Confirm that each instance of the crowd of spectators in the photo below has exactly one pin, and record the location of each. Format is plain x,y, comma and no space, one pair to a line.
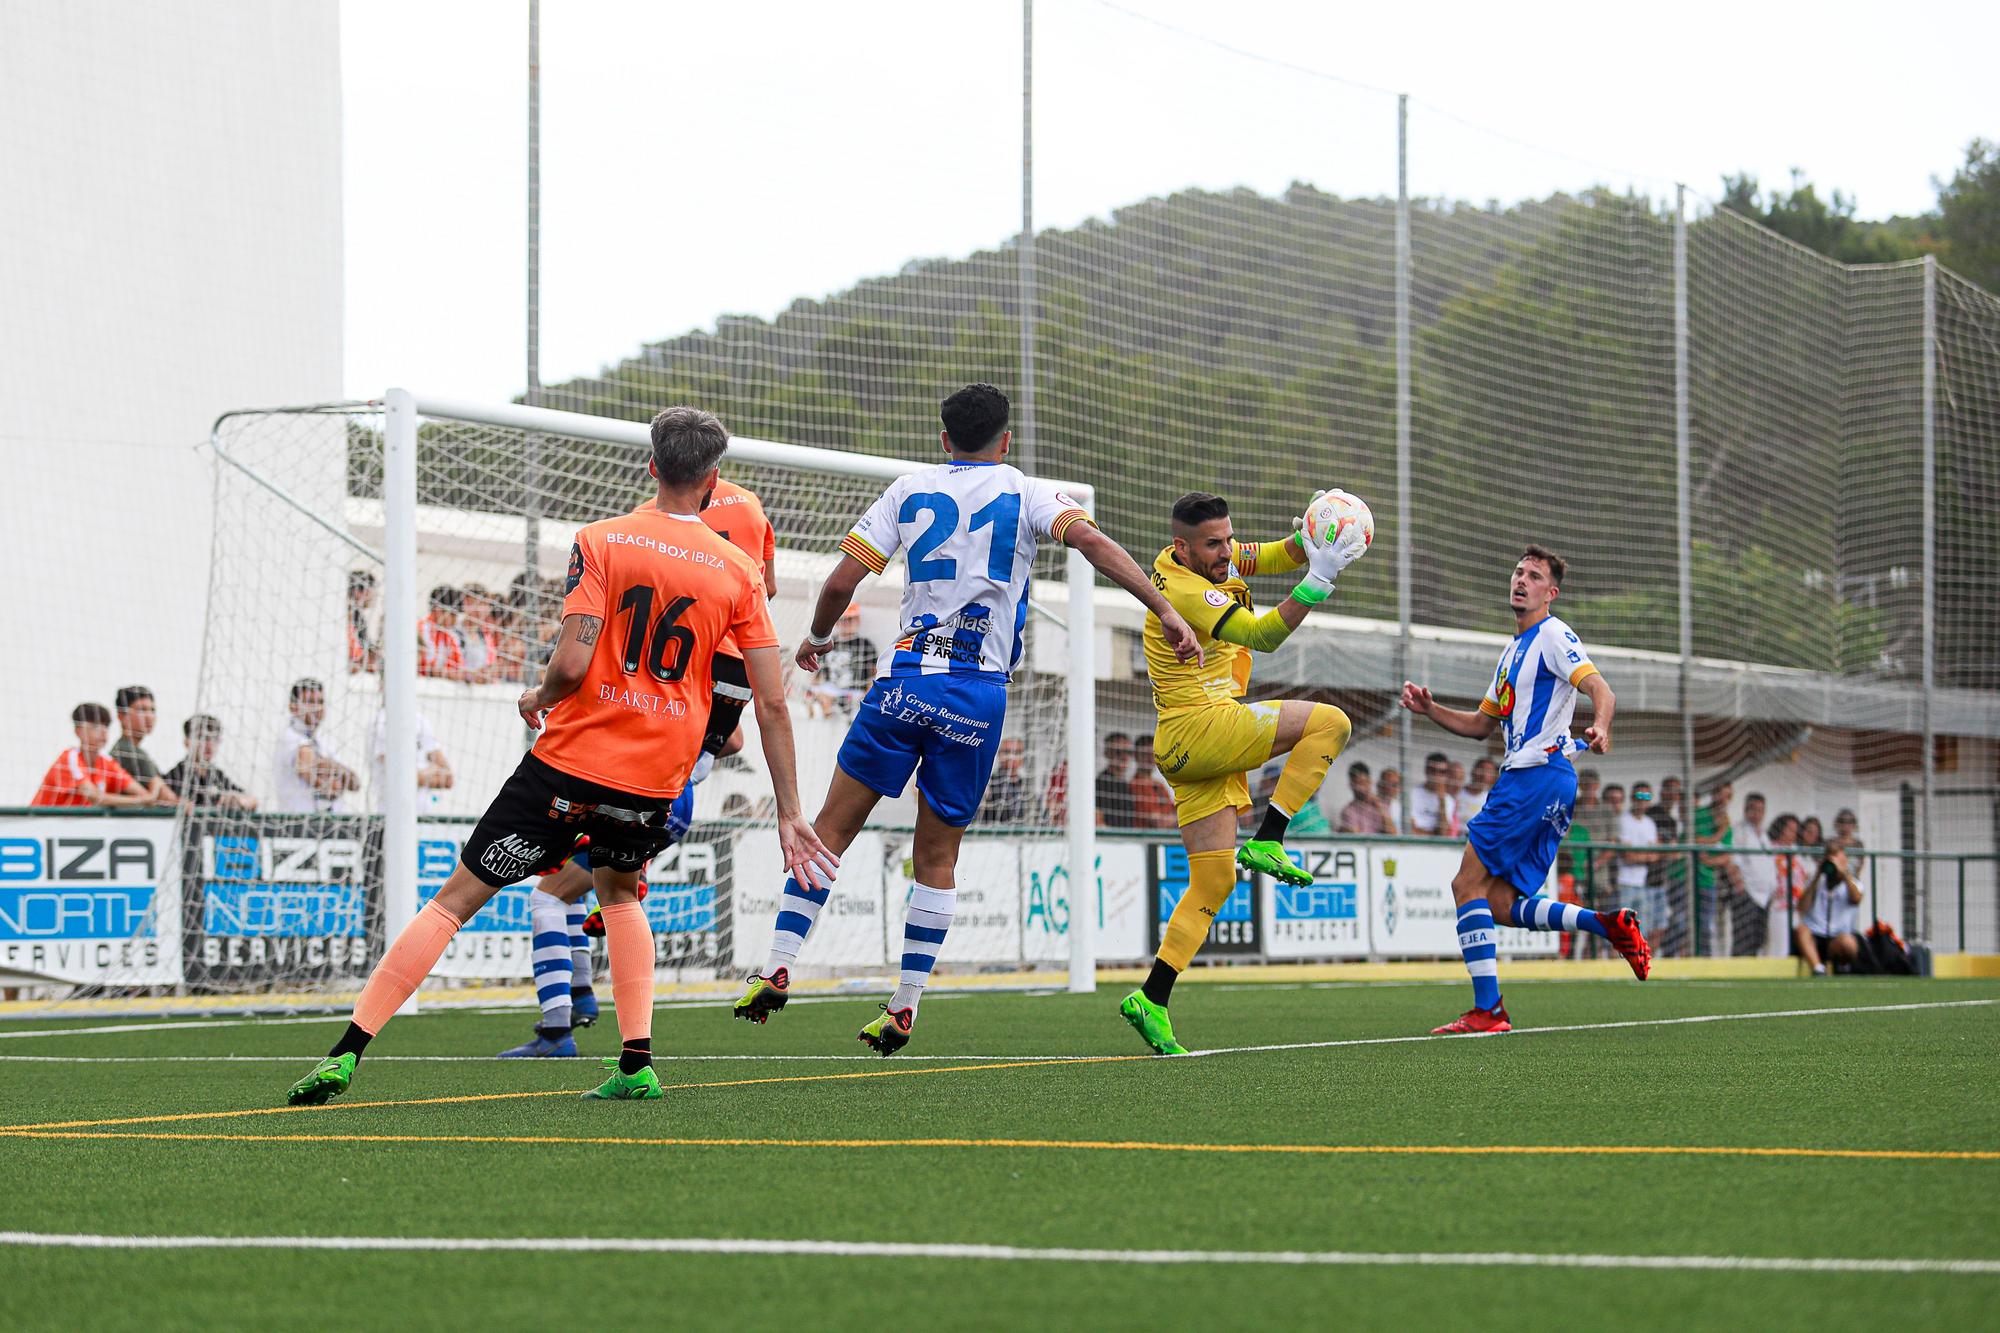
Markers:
468,632
307,776
1771,885
121,774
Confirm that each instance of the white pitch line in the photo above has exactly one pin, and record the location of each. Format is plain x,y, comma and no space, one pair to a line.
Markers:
1587,1027
510,1007
658,1059
1006,1253
1330,1044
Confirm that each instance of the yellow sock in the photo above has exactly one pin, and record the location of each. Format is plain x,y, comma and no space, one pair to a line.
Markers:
1325,737
1211,876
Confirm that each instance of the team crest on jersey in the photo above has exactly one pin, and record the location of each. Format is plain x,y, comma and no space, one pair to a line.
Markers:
1215,597
575,568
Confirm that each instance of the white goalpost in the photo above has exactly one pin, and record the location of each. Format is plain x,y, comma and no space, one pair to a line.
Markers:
391,570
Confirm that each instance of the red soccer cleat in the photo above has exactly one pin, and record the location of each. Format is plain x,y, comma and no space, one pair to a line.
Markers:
1621,928
1476,1020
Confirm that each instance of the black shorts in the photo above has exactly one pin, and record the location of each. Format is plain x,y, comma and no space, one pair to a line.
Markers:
725,706
539,813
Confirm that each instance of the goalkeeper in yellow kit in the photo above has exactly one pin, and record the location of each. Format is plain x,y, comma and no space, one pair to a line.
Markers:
1208,740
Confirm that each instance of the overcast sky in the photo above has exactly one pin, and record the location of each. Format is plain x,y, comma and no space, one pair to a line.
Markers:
705,159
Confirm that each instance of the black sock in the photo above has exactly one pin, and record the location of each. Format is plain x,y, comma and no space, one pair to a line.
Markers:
1275,823
550,1034
353,1041
1159,983
636,1055
578,992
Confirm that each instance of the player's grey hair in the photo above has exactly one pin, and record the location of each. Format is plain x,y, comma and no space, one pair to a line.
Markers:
687,442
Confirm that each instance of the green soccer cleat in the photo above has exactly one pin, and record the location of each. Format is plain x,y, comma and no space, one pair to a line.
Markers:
891,1032
1268,858
766,996
643,1086
1150,1021
328,1079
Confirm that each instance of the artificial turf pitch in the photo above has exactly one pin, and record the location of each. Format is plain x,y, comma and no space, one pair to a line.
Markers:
1912,1084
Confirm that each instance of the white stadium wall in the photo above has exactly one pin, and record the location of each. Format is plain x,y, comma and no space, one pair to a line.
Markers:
171,248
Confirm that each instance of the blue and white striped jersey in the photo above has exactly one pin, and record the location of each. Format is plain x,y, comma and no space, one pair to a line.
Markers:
1534,692
968,532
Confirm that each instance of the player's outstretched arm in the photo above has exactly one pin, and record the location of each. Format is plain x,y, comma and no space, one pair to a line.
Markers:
806,858
1472,725
565,671
1111,560
834,595
1603,704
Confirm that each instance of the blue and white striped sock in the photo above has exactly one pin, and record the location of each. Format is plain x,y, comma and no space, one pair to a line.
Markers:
798,908
1479,942
548,919
925,923
579,948
1540,913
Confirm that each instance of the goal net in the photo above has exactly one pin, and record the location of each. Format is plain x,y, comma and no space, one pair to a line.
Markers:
346,535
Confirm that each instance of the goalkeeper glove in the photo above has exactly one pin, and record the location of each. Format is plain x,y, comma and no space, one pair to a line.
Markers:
1324,563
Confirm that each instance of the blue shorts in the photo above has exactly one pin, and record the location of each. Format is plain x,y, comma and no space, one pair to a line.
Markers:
1523,823
943,728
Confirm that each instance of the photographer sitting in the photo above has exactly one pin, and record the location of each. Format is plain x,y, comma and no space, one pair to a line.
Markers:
1827,915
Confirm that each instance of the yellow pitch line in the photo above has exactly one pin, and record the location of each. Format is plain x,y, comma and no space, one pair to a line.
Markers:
568,1092
1075,1145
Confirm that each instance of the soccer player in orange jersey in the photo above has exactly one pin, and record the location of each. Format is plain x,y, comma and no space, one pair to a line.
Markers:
622,708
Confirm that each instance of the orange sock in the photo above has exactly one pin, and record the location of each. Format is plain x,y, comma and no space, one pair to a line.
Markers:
628,941
409,960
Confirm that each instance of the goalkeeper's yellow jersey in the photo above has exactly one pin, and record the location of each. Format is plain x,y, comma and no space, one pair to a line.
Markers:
1224,674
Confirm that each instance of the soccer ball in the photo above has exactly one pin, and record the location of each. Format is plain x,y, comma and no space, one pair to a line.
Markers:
1335,513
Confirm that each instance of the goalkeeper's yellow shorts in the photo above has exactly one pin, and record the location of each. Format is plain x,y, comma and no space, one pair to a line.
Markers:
1207,753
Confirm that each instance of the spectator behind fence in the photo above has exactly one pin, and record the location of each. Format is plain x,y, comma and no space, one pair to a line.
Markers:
1601,882
1389,786
1637,890
137,716
440,649
1669,869
1828,914
308,776
1114,783
1792,872
433,768
197,778
1756,880
1847,831
846,667
1811,834
1432,811
1055,796
364,650
478,637
1712,829
1006,801
86,774
1591,811
1152,802
1473,799
1364,812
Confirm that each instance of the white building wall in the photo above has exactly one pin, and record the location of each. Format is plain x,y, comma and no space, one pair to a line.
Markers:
170,248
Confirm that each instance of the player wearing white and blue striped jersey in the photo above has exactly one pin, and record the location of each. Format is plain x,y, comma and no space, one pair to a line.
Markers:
968,530
1511,843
